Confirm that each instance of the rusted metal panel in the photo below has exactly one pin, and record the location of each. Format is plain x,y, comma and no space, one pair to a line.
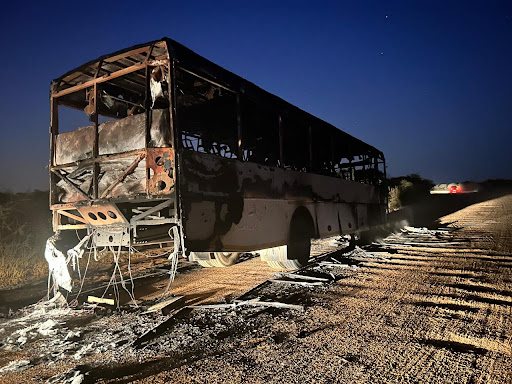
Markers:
161,163
105,214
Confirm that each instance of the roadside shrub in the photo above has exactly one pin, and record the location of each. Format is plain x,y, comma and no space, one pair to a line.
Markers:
25,224
394,199
406,190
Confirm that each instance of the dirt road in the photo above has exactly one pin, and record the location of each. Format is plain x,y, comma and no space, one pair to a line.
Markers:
433,307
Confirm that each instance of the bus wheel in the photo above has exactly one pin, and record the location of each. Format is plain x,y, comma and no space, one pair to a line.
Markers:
216,259
202,258
275,264
204,263
225,259
287,264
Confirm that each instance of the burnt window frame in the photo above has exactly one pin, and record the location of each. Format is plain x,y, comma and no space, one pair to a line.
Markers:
254,145
195,143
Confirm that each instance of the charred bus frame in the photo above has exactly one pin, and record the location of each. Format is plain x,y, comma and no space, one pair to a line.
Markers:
197,154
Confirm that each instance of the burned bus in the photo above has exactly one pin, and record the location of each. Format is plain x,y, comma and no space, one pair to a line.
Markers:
179,152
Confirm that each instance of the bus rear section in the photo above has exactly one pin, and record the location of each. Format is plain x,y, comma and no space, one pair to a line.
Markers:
112,166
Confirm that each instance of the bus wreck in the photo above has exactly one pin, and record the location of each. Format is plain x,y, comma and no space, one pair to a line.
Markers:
181,153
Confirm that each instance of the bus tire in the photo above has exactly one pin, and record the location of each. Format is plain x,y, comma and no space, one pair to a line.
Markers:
217,259
225,259
203,259
204,263
288,264
275,264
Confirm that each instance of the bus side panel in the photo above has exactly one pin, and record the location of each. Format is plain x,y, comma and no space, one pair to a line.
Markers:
228,205
264,224
362,217
211,199
332,218
347,217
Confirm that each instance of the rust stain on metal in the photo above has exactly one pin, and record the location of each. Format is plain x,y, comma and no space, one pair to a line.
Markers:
105,214
161,163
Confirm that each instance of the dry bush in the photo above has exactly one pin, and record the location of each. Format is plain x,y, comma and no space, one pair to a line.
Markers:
407,190
24,228
394,199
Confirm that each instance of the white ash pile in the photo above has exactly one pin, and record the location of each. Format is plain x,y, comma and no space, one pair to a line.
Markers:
61,334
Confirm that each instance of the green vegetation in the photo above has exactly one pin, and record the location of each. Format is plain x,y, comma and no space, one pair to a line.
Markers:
407,190
25,224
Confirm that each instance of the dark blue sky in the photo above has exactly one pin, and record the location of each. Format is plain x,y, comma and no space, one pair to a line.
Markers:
429,83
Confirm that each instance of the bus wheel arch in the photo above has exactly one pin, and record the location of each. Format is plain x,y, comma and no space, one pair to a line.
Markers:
302,229
303,220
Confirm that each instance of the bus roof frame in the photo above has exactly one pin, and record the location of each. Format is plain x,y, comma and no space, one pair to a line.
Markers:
165,51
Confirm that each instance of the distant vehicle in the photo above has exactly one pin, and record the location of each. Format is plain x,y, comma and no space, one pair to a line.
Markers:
181,151
454,188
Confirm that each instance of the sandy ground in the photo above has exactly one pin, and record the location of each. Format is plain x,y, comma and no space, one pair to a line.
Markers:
433,308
